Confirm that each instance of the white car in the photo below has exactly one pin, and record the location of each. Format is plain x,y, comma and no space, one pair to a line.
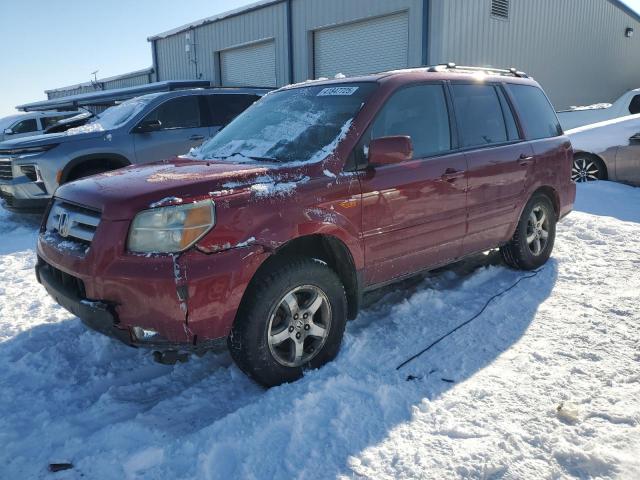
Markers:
627,104
29,124
607,150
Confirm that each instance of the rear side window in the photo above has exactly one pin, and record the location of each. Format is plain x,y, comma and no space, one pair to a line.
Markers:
421,113
181,112
25,126
224,108
480,115
538,116
634,106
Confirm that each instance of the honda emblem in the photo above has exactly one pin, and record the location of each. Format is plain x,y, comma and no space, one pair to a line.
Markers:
63,224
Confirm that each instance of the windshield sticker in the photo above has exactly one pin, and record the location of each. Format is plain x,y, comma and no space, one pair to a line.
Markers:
338,91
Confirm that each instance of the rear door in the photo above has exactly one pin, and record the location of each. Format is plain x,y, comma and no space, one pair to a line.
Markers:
182,128
499,162
414,213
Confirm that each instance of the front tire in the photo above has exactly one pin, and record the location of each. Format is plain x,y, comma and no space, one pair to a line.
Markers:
292,319
535,235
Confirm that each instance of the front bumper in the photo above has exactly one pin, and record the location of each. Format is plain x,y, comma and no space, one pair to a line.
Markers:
190,299
23,195
100,316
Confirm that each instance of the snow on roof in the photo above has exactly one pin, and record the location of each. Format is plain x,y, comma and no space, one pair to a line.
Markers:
215,18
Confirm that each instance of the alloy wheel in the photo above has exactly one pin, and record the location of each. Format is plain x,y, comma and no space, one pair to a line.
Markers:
538,230
585,170
299,326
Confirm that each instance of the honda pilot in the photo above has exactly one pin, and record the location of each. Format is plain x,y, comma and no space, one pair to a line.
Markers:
141,130
266,238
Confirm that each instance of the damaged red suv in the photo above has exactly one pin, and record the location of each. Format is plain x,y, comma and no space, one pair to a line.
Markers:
266,237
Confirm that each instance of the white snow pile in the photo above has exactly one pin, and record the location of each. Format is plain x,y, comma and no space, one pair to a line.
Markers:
595,106
270,186
544,384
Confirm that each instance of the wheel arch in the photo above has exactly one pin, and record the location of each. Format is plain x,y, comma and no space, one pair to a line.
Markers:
328,249
113,160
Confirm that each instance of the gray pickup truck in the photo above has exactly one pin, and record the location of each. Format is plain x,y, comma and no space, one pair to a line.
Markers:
140,130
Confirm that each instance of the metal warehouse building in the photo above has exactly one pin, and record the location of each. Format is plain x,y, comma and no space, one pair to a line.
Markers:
582,51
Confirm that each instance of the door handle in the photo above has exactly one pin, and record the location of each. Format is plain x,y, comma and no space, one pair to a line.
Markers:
451,175
525,159
196,137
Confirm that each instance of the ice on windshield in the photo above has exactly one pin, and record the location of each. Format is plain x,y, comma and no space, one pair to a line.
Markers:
114,117
295,125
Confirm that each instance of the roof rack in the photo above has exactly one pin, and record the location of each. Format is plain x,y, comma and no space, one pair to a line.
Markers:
502,71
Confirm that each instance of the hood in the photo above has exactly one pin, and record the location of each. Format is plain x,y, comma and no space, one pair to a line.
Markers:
123,193
47,139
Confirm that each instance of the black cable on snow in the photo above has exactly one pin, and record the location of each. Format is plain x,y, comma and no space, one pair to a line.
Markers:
488,302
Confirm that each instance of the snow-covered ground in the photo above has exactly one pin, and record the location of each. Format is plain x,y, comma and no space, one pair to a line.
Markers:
483,403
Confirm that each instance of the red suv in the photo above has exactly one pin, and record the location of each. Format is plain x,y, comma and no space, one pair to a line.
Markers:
266,238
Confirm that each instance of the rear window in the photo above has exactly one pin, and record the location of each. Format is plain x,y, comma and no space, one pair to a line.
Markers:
538,116
480,116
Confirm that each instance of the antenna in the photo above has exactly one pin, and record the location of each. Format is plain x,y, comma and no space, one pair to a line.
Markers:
94,81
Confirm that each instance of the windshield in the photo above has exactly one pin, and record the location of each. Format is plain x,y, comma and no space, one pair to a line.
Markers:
299,124
113,117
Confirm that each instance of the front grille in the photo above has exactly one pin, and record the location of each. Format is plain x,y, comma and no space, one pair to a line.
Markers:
64,281
6,171
72,221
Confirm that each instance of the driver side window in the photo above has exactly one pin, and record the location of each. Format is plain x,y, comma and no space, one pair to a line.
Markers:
421,113
181,112
25,126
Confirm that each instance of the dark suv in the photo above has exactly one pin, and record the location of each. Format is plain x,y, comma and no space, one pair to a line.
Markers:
317,193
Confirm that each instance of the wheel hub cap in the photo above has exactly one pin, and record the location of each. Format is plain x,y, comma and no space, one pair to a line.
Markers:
538,230
299,326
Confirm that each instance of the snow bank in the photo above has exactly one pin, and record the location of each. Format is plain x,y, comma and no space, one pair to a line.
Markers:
482,404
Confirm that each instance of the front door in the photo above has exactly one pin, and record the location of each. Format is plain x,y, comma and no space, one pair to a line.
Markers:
414,213
181,129
499,162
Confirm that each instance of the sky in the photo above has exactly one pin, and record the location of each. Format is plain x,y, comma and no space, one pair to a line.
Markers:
49,44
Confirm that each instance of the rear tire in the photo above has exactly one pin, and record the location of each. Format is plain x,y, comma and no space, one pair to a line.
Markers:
292,319
535,235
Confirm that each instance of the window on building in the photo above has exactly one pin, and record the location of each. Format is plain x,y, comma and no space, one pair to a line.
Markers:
224,108
634,106
537,114
479,115
25,126
500,8
421,113
181,112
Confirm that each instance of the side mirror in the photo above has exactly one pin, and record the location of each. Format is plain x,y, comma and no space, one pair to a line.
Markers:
8,131
148,126
390,151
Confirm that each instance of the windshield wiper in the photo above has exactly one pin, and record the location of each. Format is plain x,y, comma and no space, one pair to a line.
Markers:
250,157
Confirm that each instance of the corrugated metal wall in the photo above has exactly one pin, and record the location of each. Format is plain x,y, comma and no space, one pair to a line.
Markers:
311,15
122,81
576,49
174,63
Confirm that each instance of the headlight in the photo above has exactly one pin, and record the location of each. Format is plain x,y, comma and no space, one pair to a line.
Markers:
171,229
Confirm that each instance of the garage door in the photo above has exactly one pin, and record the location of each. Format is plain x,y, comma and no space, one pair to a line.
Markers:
253,65
364,47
